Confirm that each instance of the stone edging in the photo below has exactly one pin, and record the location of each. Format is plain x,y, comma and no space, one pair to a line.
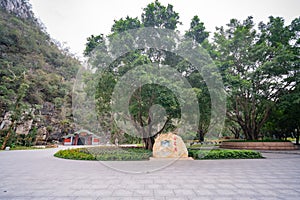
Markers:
259,145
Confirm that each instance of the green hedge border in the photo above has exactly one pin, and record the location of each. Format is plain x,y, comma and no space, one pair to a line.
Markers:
223,154
131,154
105,154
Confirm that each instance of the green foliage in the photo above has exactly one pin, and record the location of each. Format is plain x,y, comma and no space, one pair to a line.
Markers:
118,154
224,154
129,139
125,24
34,69
25,48
25,148
197,30
259,67
104,153
264,140
158,16
199,146
11,141
92,43
74,154
27,140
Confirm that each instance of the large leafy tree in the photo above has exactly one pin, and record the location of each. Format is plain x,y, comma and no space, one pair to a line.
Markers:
284,120
257,67
198,34
158,16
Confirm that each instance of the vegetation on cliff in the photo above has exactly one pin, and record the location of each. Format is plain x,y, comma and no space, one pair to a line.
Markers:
36,76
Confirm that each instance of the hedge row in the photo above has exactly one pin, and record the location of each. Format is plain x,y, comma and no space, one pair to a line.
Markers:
105,153
224,154
118,154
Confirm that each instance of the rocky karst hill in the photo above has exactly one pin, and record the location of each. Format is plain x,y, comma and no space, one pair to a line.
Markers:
33,64
20,8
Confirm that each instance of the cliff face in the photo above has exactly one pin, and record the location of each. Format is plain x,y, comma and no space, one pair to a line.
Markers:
20,8
29,56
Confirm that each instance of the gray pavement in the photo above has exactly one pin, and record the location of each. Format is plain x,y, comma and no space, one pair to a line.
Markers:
36,174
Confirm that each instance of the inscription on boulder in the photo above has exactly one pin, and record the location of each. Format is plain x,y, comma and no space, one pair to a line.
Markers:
169,146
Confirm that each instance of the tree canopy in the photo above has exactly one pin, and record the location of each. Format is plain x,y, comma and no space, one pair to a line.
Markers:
259,68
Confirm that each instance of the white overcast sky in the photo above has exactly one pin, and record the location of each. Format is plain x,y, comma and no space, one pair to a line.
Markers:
72,21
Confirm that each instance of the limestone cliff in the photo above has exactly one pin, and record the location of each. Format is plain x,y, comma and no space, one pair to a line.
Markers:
29,56
21,8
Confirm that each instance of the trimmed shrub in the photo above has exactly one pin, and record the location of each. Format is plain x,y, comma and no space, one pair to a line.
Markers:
224,154
265,140
119,154
105,153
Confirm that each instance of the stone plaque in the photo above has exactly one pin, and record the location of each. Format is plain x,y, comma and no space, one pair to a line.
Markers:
169,146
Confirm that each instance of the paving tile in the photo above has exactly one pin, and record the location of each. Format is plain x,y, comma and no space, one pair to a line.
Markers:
184,192
154,186
164,193
153,198
122,193
289,192
177,198
38,175
225,192
204,192
268,193
143,193
200,198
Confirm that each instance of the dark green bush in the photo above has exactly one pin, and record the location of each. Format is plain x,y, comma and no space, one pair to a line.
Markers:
105,153
224,154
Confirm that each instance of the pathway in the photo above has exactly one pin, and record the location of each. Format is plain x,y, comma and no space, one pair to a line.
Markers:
36,174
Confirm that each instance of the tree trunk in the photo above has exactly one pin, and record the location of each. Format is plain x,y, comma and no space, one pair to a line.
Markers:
149,142
235,131
201,135
297,136
148,139
10,129
5,140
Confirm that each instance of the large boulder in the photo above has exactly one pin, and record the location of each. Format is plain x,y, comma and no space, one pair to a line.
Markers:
169,146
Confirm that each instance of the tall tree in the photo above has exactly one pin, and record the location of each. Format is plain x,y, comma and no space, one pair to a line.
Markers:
92,43
158,16
256,67
199,35
197,30
146,96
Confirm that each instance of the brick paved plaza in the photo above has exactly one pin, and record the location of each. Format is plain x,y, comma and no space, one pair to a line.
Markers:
36,174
